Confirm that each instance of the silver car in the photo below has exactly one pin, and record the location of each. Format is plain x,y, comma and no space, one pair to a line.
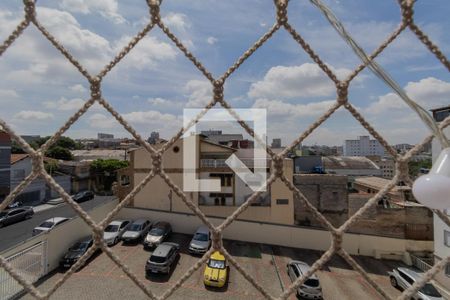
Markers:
137,231
114,231
403,278
49,225
201,241
311,288
159,232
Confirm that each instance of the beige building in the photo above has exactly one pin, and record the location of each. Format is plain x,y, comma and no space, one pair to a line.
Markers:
274,206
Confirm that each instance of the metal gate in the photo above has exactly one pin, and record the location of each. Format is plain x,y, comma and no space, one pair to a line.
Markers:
31,263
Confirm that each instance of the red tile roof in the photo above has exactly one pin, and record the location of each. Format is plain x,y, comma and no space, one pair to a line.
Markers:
17,157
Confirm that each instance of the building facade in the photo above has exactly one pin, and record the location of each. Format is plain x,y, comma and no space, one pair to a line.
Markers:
274,206
441,230
5,164
363,146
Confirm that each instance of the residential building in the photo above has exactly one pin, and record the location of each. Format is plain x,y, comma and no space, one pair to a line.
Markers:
5,164
441,230
218,137
79,172
101,136
37,191
386,165
276,143
372,185
273,206
363,146
154,137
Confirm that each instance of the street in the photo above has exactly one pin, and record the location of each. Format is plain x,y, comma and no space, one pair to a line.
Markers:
15,233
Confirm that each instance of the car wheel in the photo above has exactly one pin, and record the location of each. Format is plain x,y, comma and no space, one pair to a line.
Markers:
28,217
394,281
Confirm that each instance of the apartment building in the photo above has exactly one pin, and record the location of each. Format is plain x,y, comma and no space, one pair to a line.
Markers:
441,230
363,146
273,206
5,164
386,165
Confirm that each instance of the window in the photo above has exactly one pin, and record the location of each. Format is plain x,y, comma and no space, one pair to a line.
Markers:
406,277
124,180
447,238
447,269
282,201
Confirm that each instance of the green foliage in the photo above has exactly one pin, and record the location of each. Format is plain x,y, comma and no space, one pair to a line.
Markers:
51,167
16,149
415,166
108,165
58,152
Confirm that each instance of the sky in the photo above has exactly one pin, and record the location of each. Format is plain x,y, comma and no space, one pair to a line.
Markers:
40,89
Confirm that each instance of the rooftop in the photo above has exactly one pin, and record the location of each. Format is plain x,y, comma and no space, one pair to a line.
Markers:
17,157
348,162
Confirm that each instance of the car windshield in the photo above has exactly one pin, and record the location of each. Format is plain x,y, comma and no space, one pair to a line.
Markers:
79,195
203,237
112,228
216,264
157,259
156,232
312,282
47,224
135,227
429,290
79,247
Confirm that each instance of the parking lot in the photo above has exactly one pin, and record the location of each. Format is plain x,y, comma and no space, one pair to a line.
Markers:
102,279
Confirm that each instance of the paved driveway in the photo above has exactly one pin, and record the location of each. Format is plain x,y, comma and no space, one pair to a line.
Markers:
102,279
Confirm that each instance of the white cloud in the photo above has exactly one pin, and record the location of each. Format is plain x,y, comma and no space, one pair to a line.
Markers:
102,121
149,117
280,108
199,93
303,81
177,21
106,8
211,40
6,94
64,104
33,115
147,53
429,92
78,88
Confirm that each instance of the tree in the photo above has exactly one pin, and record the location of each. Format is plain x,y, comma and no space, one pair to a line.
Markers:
58,152
105,171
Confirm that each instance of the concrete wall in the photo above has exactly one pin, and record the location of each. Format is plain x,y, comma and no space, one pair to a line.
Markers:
328,193
63,236
409,222
290,236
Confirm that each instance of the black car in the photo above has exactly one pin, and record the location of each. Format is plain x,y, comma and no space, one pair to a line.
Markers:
15,204
76,251
162,258
15,215
83,196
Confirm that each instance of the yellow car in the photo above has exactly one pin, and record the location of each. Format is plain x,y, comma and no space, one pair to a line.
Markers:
216,271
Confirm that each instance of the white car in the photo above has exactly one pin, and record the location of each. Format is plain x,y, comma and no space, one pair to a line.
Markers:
311,288
49,225
403,278
114,231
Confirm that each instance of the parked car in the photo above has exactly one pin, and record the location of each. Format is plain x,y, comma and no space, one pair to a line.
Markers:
15,215
137,231
15,204
76,252
49,224
114,231
216,270
159,232
311,288
201,241
162,258
404,277
83,196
